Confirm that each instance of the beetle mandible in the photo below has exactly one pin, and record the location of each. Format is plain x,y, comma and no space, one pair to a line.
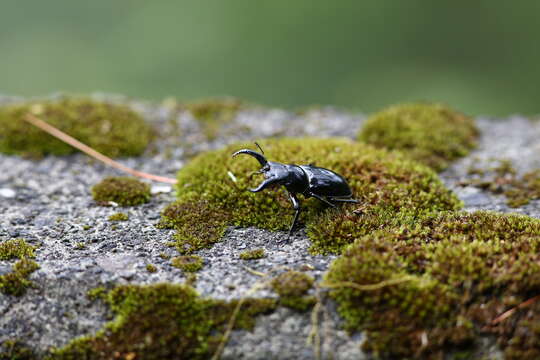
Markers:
308,180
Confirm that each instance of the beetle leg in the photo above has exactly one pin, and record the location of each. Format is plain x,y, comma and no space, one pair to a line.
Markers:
322,199
296,206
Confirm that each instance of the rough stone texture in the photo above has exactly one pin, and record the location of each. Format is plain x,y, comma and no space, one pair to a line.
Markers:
48,203
515,139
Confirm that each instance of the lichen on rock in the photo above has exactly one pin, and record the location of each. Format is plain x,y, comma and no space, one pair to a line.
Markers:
112,129
430,133
212,193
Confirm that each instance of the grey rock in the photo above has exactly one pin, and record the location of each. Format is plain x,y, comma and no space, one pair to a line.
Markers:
52,206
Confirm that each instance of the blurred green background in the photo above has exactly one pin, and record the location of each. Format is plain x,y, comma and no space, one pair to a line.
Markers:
482,57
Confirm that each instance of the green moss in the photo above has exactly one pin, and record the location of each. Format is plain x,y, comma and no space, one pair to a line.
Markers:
191,279
210,198
151,268
162,321
16,350
119,217
525,342
124,191
430,133
523,190
114,130
99,292
16,249
292,288
16,282
503,179
164,256
212,114
188,263
252,254
198,224
434,280
504,168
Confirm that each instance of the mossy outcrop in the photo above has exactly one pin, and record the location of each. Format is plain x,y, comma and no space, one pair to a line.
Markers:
252,254
430,133
112,129
16,282
213,194
419,289
16,350
124,191
504,179
16,249
162,321
292,288
188,263
524,189
119,217
212,114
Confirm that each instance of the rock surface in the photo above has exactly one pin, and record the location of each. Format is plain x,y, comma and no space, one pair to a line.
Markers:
48,203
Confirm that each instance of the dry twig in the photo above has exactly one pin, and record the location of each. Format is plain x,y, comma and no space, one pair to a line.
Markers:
34,120
505,315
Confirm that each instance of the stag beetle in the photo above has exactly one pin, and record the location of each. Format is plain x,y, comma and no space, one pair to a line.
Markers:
308,180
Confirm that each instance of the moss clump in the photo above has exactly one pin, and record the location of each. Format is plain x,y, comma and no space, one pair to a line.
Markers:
164,256
523,190
162,321
16,282
99,292
213,113
124,191
119,217
292,288
442,279
252,254
503,179
16,249
151,268
525,342
199,224
188,263
213,194
114,130
16,350
430,133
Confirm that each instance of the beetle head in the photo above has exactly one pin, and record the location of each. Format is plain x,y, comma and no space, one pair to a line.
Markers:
272,171
260,157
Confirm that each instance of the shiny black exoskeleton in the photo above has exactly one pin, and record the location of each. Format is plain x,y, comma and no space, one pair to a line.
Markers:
308,180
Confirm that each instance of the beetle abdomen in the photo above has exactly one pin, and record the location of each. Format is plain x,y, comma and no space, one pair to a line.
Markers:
325,182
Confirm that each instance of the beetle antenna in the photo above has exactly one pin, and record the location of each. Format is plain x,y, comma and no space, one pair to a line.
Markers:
259,146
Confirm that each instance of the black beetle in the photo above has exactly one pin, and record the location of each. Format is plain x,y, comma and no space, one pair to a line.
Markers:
308,180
